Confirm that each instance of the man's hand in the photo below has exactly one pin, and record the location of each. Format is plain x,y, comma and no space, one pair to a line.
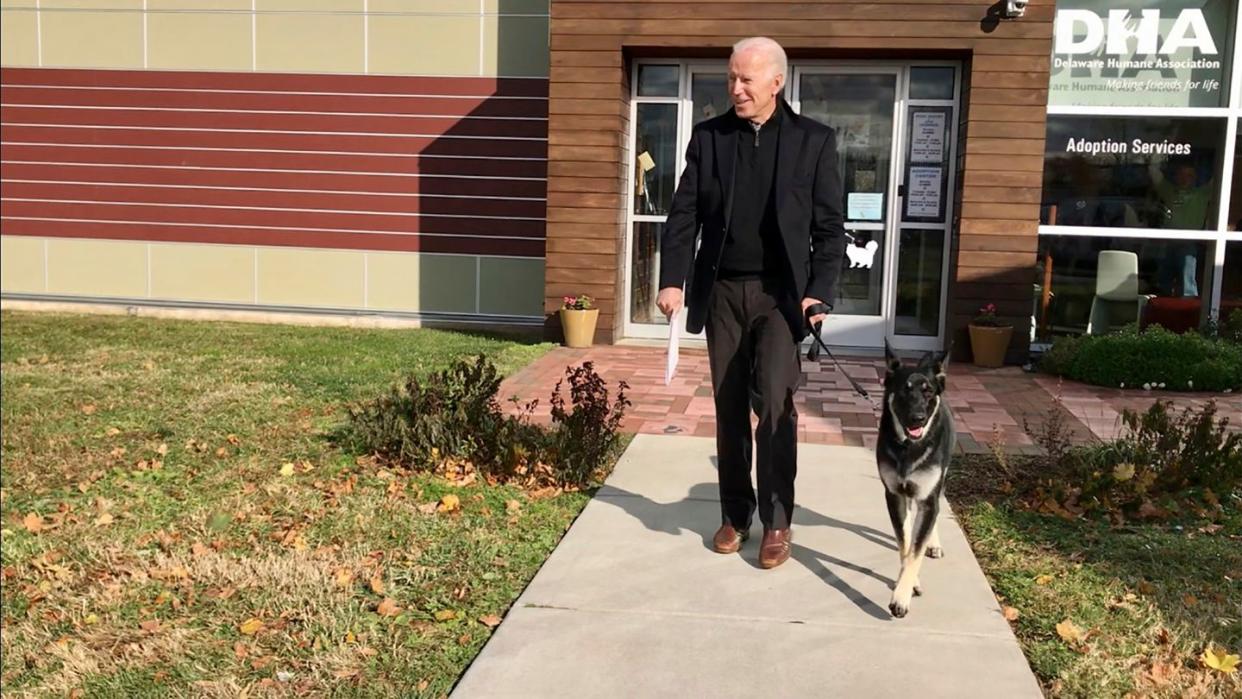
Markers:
669,301
807,303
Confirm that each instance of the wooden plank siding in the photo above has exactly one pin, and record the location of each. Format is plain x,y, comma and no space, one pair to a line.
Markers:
1000,155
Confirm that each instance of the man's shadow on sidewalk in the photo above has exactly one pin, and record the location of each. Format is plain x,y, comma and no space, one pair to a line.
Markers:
664,518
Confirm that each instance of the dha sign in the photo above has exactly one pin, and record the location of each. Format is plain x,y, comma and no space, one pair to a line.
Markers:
1189,30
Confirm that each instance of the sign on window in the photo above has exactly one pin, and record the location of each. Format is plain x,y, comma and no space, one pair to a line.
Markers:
1140,53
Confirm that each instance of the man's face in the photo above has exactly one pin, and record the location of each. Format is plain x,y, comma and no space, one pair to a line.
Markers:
753,83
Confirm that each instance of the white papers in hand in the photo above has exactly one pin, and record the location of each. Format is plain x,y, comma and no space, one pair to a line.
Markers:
674,341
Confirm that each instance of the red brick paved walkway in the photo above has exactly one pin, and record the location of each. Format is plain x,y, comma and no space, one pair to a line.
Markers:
989,405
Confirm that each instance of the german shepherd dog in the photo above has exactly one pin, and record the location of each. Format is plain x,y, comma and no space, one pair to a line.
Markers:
915,444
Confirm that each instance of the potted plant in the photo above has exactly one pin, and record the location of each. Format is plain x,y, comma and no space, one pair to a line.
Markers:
578,318
989,337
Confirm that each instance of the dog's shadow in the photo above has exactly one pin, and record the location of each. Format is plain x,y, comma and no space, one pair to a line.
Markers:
669,518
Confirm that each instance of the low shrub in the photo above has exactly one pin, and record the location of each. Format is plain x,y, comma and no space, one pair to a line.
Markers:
1154,358
453,420
1160,462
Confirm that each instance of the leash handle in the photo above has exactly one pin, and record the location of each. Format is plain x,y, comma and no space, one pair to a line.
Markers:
817,344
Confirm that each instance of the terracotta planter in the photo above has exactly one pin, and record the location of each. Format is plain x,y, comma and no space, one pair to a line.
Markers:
988,344
579,326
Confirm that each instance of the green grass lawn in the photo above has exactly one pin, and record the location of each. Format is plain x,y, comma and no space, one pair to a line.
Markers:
176,520
1145,600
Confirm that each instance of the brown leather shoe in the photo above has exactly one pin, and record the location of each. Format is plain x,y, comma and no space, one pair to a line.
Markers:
728,539
775,547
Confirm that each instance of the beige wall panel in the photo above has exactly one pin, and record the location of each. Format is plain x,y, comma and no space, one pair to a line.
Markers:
19,38
199,5
97,267
198,41
293,277
511,286
515,46
76,39
91,4
443,283
311,43
310,5
424,45
188,272
392,281
470,7
21,264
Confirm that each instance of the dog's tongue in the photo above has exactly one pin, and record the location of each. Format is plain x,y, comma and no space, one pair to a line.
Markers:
915,432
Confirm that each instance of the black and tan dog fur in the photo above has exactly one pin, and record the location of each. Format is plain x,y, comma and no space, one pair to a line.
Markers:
915,445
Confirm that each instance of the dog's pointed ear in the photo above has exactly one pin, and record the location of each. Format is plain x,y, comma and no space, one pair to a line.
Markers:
938,364
891,362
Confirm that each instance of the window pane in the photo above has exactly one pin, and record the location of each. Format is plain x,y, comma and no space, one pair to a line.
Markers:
918,282
1231,290
710,94
655,167
862,274
1142,53
1132,172
1166,282
645,274
657,81
1234,222
859,108
931,83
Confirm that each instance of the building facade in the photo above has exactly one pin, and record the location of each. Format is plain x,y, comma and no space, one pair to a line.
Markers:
474,161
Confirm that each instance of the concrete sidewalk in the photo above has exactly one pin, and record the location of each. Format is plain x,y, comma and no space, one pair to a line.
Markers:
634,603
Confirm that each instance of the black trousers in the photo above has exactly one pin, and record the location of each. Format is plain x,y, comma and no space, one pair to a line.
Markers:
755,365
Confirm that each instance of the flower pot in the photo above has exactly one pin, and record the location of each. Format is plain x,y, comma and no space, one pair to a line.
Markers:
579,326
988,344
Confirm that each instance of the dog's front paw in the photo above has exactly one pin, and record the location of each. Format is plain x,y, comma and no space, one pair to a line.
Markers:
900,604
935,552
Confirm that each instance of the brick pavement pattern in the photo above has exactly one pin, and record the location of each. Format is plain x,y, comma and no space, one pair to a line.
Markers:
991,407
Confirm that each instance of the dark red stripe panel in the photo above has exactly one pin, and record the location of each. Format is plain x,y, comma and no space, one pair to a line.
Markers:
361,162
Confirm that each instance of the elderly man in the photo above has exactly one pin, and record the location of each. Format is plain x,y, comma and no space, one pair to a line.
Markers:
762,190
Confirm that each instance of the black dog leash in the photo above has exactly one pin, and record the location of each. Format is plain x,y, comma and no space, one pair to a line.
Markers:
813,353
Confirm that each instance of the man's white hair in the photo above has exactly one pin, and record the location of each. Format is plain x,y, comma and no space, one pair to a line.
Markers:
773,50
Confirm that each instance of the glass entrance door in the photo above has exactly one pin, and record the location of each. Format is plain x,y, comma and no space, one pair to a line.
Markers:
861,105
896,136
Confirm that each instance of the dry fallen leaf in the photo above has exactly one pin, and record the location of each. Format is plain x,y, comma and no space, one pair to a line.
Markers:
1010,613
1220,661
103,520
491,621
1070,632
513,507
446,615
344,577
428,508
1146,588
162,449
1043,580
449,503
150,625
1190,600
377,585
88,409
250,626
1161,672
33,523
286,470
388,607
